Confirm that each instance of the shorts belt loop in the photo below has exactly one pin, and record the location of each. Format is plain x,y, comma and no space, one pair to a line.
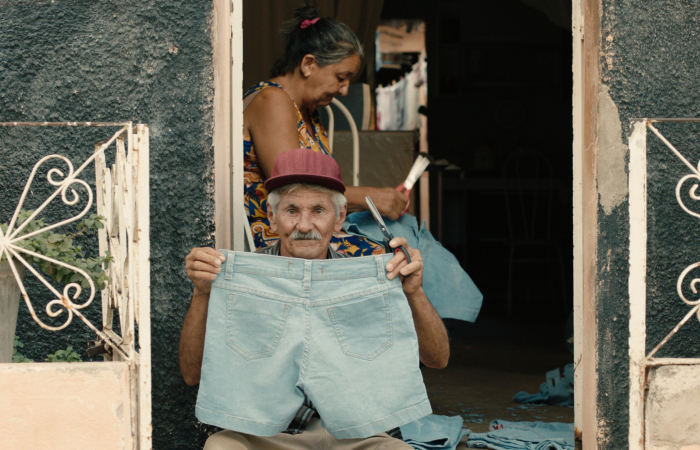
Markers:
307,275
229,265
381,271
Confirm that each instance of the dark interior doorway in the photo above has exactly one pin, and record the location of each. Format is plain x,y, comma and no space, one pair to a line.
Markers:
500,91
500,83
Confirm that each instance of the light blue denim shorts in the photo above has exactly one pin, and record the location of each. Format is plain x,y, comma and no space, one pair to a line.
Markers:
336,330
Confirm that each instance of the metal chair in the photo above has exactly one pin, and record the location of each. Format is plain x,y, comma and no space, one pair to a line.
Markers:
355,137
528,191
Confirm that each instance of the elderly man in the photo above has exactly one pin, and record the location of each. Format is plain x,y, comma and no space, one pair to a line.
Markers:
305,206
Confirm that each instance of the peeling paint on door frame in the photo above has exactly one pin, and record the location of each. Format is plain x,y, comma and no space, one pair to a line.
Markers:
586,50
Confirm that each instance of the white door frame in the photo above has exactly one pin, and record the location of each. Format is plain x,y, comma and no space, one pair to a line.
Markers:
228,147
229,215
586,48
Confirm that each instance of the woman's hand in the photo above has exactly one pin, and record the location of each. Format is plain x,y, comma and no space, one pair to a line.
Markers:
389,202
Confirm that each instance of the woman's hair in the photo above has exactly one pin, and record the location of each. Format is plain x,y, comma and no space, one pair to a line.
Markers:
329,40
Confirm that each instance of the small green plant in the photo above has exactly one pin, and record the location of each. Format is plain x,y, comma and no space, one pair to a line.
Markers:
67,355
60,247
17,357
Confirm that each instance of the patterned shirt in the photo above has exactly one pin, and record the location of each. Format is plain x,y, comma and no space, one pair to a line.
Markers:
306,412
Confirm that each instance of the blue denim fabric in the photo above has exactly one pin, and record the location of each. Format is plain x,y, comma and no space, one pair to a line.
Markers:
555,391
504,435
434,432
336,330
448,287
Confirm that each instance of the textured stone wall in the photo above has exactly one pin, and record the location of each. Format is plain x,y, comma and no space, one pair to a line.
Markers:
141,61
649,68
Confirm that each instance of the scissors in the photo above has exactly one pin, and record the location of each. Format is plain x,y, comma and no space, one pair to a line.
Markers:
385,231
421,163
406,191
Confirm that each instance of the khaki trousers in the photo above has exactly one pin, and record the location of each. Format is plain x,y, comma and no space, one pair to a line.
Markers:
314,437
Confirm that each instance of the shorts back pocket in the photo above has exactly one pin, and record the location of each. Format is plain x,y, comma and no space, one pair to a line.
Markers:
363,329
254,325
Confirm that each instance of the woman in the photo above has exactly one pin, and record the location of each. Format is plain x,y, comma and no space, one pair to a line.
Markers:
321,57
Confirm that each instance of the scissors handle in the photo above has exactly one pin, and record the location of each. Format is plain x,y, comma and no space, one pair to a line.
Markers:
402,189
401,248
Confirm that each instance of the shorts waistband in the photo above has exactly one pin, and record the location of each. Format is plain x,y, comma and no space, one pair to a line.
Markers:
305,269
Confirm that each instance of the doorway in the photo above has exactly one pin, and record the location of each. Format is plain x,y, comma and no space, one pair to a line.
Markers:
523,345
500,95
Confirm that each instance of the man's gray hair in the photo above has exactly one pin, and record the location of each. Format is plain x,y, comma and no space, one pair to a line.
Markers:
337,197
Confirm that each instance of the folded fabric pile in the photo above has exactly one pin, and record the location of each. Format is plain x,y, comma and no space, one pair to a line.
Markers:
504,435
555,391
434,432
449,288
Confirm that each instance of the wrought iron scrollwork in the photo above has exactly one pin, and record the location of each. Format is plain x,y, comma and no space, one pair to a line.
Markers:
693,194
65,184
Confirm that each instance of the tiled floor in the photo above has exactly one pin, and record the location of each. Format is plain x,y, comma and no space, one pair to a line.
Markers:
490,362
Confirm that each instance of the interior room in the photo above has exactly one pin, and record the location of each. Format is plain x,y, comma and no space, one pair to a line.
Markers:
500,134
499,197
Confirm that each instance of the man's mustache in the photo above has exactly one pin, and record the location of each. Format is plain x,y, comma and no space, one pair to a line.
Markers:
312,235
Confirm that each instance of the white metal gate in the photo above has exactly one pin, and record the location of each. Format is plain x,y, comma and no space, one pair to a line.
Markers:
123,199
640,359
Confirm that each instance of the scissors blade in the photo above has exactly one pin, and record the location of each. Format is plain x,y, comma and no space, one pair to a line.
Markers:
375,212
385,231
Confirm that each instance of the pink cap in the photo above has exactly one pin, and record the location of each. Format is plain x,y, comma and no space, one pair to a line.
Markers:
303,165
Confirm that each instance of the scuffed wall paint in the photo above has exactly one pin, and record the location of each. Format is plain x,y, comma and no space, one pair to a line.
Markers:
612,164
650,65
65,406
144,61
672,414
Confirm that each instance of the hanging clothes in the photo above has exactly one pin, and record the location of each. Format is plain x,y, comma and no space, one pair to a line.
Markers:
391,104
411,118
397,105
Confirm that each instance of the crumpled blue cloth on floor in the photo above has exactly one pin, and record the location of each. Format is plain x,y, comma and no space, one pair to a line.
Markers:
504,435
450,290
555,391
434,432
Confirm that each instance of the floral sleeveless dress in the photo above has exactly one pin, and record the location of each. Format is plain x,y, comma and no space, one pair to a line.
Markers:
255,195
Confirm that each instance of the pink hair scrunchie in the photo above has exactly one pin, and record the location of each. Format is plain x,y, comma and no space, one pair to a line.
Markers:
307,23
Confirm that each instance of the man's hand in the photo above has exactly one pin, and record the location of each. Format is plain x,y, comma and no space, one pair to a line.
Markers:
203,264
398,266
